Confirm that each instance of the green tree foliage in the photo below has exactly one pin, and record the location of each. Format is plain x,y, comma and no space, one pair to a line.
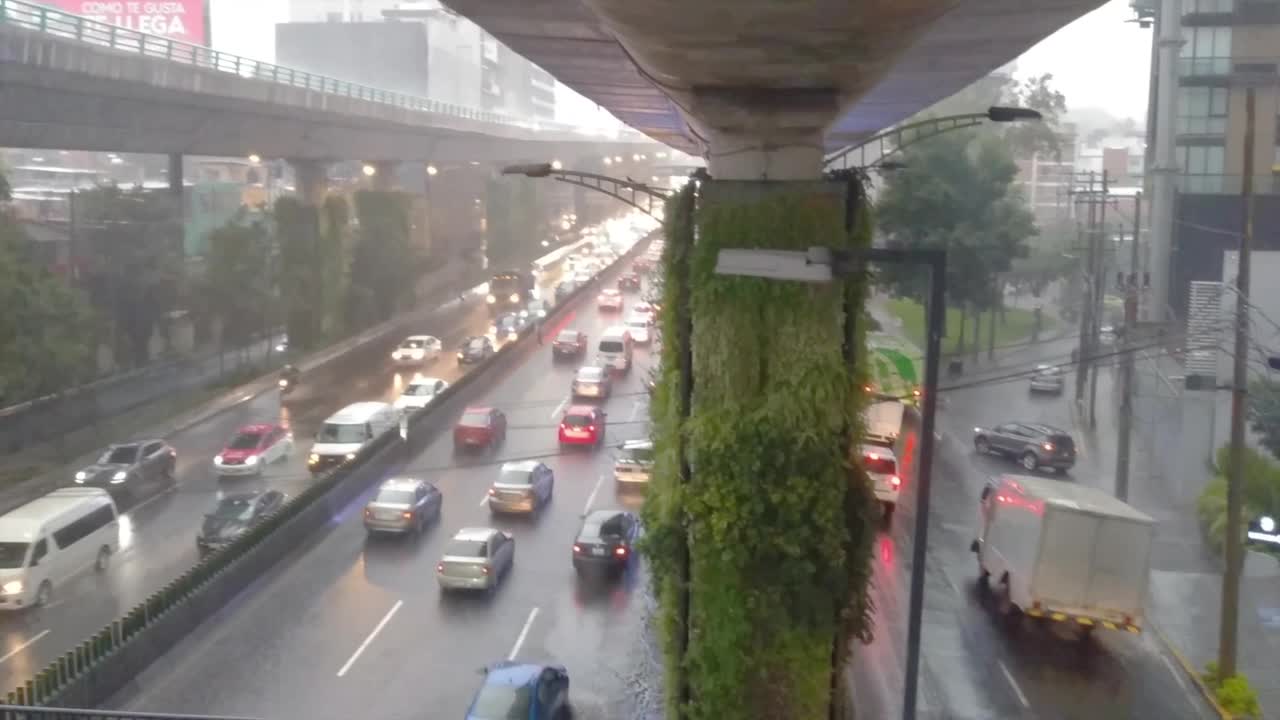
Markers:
1027,138
45,330
1261,493
778,525
514,222
955,193
302,271
383,264
1264,413
134,243
238,279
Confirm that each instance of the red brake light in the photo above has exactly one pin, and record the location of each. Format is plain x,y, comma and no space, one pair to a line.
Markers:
620,551
484,569
439,567
368,513
591,428
895,481
564,426
577,548
407,515
492,491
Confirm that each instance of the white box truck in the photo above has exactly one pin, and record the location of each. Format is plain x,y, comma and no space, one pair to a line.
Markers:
1064,552
883,422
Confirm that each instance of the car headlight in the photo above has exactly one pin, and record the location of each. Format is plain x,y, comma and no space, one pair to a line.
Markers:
283,383
13,587
351,456
217,459
251,460
491,299
313,458
119,477
459,356
82,476
515,297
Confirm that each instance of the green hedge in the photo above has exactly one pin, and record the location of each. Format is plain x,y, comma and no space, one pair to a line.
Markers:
1261,494
778,526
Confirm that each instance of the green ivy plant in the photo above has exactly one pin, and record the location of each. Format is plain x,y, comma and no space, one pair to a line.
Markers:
778,522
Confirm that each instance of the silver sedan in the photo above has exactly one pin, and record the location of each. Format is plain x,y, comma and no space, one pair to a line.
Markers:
476,559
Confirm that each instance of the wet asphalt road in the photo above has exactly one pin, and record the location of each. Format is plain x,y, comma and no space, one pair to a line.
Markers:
974,667
357,627
157,538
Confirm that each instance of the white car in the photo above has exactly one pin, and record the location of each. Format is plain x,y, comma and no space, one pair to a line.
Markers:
643,309
881,465
638,326
420,392
417,350
609,299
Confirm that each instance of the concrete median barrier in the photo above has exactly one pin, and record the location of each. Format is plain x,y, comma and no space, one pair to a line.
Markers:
111,659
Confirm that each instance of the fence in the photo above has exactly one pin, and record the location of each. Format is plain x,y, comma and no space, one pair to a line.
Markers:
18,712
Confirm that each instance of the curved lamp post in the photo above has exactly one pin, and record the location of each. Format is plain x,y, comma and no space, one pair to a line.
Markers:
873,151
636,194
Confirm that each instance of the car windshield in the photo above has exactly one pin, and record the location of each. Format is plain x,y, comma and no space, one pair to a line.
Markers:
475,419
610,293
238,508
245,441
609,527
502,702
413,344
879,465
120,455
515,477
638,323
467,548
475,344
590,374
394,496
567,336
421,389
577,420
611,346
506,321
340,433
12,554
638,454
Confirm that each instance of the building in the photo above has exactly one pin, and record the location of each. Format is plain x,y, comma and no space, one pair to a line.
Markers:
1045,180
1122,157
418,48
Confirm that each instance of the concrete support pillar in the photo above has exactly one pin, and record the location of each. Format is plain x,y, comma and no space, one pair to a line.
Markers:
312,180
175,174
746,157
384,177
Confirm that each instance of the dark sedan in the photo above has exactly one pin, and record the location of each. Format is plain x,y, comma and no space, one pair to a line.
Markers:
233,517
569,344
131,467
606,540
477,348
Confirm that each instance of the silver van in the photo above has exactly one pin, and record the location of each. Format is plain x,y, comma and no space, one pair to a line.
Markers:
615,349
349,430
51,539
634,463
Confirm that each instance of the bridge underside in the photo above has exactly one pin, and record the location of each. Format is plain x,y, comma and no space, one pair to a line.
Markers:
698,75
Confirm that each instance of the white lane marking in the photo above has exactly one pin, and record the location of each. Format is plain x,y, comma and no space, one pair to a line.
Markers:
1177,676
524,633
377,629
1014,684
592,497
247,397
556,413
23,646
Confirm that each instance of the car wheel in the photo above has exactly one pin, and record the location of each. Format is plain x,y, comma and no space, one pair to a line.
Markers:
103,559
1029,461
981,445
44,594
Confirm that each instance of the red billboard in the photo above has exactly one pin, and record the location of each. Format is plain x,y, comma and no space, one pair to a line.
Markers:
178,19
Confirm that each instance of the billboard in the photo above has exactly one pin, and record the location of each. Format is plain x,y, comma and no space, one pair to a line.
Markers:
178,19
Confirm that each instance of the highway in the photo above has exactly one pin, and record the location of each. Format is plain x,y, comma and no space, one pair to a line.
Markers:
357,627
157,537
973,666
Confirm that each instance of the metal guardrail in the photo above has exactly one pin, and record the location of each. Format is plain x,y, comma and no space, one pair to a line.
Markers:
51,21
19,712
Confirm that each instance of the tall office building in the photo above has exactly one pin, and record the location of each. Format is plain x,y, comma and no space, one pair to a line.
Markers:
1227,44
420,48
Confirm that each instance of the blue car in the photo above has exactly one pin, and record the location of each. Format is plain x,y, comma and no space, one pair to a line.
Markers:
516,691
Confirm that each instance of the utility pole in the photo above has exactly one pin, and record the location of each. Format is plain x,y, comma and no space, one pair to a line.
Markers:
1099,288
1235,477
1125,421
1086,305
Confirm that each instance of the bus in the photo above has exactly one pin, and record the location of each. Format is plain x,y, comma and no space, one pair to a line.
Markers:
510,291
895,369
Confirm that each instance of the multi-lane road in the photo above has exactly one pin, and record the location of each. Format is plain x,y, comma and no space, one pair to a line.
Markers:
357,627
973,666
158,534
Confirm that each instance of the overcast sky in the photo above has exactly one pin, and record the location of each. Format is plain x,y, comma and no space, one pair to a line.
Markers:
1098,61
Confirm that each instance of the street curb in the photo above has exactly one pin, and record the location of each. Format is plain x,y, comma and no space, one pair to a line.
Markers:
1190,671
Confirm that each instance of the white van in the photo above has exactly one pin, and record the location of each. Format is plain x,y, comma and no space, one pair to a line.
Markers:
348,430
51,539
615,348
883,422
881,465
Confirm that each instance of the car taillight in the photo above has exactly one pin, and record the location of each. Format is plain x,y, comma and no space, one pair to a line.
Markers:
368,513
577,548
1048,447
440,567
620,551
916,393
564,426
895,481
492,491
406,515
484,569
591,428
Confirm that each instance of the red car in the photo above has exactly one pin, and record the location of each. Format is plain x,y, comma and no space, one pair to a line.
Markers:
569,344
480,427
610,300
253,447
582,425
629,281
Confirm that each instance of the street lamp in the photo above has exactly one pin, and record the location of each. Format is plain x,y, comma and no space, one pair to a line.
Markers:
433,170
255,158
608,161
369,170
896,139
822,265
555,165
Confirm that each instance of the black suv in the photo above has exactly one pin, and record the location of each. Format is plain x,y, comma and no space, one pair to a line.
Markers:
1033,445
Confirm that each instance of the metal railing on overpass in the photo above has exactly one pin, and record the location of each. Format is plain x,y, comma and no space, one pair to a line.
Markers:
16,712
50,21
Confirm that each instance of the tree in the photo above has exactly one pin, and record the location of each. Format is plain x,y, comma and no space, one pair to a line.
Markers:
135,241
238,280
45,342
514,222
382,265
954,193
1028,138
1264,414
